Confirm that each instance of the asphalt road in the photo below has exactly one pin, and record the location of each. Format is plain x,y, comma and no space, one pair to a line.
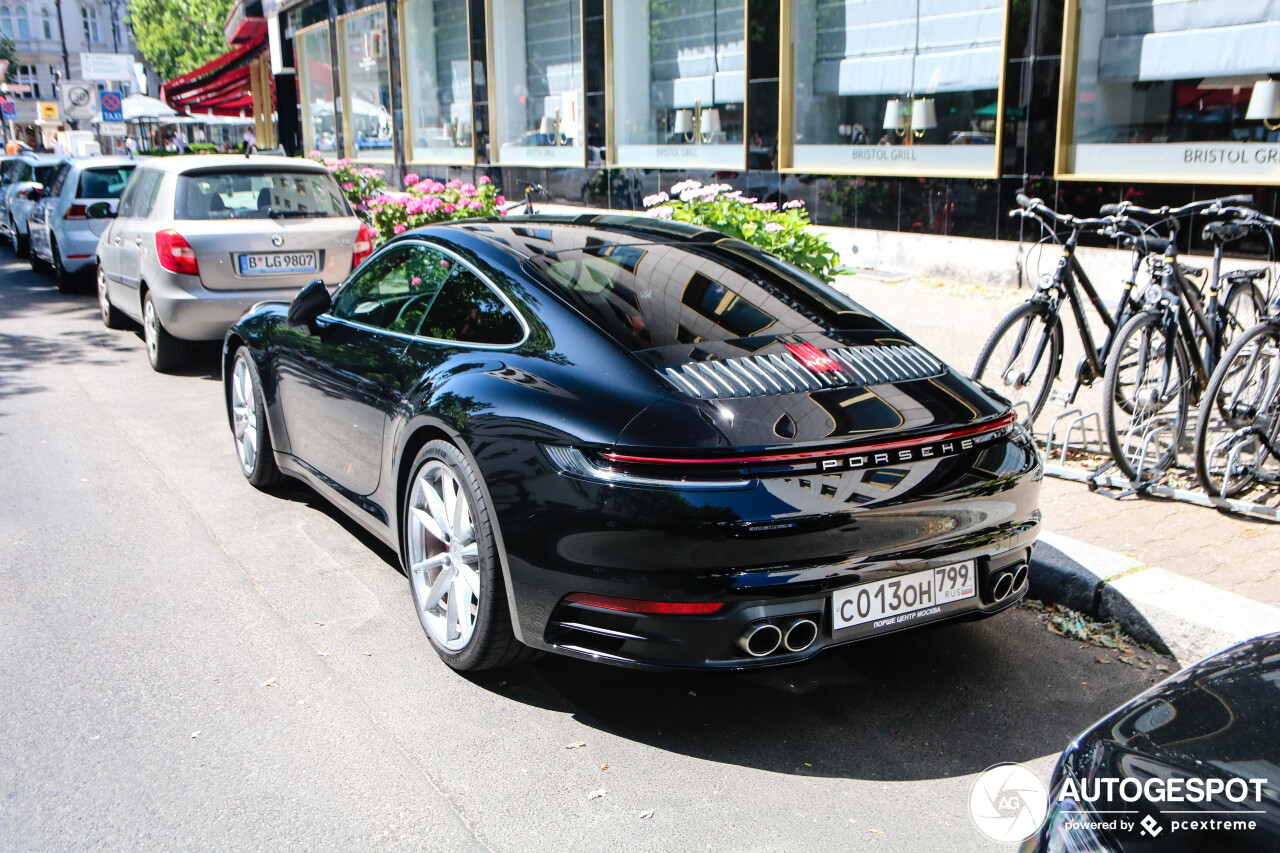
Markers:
187,663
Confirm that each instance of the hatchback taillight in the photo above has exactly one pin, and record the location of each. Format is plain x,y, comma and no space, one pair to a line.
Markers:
76,211
363,247
175,254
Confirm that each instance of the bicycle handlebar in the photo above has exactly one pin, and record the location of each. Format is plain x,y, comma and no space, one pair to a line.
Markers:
1125,208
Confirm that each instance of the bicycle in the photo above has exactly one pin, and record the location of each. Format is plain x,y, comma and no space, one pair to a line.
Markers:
1030,337
1164,354
527,201
1237,427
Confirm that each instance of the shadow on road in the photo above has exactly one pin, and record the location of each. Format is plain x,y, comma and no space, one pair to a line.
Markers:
927,704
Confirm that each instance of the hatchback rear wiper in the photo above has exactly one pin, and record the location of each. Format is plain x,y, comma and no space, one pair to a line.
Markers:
275,213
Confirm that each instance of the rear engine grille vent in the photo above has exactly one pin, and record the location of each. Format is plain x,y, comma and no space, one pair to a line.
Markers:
783,373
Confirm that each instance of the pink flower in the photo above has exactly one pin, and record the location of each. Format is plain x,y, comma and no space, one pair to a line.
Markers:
484,179
449,208
454,184
314,154
399,229
416,281
411,179
767,205
663,212
347,185
477,204
500,200
773,227
793,204
436,187
467,190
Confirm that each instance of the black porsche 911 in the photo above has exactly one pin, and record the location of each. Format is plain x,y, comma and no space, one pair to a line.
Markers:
638,442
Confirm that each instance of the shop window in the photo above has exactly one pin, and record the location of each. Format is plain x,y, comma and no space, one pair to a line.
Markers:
679,94
1177,90
882,87
366,86
437,81
315,84
536,86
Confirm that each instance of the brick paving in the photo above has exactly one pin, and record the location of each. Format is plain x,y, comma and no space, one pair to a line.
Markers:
1236,554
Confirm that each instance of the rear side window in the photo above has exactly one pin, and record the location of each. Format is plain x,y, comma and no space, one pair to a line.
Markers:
468,311
255,194
139,194
103,183
59,180
45,173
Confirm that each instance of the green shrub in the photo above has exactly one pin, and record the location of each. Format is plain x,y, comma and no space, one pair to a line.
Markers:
720,207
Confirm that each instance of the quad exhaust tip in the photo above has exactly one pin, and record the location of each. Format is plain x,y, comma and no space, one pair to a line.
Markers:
760,639
1019,576
800,635
1002,586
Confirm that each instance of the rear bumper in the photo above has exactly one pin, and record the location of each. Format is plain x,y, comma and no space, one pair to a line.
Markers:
190,312
73,242
773,552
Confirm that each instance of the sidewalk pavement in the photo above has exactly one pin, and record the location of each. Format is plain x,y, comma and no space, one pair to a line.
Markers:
1187,579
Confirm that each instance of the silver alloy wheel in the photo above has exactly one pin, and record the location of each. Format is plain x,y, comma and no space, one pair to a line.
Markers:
244,415
444,561
104,301
151,330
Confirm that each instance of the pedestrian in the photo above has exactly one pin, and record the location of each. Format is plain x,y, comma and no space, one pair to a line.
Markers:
250,139
131,146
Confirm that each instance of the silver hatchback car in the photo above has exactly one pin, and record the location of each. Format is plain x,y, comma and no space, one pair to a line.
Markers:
198,239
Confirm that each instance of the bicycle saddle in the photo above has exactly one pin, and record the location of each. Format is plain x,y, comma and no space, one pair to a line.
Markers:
1224,232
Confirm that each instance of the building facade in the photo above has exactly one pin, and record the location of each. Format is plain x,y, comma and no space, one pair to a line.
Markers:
914,116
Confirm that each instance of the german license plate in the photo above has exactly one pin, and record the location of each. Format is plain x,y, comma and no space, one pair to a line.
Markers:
902,599
278,263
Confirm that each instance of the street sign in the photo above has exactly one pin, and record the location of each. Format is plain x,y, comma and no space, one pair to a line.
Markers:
111,107
79,99
8,110
106,66
48,110
113,128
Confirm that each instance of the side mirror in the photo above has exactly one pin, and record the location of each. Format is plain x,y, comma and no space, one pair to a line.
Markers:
312,301
100,210
31,193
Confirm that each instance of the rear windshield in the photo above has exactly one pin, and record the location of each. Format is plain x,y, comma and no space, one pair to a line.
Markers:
246,194
648,295
103,183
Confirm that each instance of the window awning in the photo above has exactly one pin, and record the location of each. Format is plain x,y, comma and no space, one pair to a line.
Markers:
220,86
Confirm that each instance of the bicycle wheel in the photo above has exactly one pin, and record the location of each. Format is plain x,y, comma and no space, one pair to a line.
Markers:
1151,371
1244,308
1022,357
1238,432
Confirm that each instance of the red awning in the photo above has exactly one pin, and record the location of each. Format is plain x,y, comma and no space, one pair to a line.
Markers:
220,86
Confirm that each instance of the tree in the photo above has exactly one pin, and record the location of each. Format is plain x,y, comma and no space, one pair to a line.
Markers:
178,35
9,52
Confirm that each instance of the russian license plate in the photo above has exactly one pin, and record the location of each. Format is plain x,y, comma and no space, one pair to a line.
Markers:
904,598
278,263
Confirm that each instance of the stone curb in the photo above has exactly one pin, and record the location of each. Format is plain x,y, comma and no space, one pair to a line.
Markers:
1176,615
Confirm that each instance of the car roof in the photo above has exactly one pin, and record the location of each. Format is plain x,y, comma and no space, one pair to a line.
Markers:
190,162
41,159
81,163
515,235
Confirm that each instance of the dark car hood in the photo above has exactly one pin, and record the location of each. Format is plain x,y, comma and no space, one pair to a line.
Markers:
756,393
1217,719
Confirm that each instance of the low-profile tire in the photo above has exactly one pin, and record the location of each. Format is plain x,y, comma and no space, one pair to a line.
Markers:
112,317
1017,337
17,242
451,560
164,351
68,282
249,424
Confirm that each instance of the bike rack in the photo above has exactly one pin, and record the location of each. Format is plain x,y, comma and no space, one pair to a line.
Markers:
1102,481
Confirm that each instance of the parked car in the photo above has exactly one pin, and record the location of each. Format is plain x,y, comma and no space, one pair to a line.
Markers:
196,240
637,442
20,186
62,237
1192,765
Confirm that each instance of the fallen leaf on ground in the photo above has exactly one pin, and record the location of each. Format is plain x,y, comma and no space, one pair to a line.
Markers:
595,795
271,683
577,744
876,831
195,734
604,766
317,622
646,815
1103,660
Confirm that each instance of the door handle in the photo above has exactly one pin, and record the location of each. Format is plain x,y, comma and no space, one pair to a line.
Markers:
115,242
137,241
